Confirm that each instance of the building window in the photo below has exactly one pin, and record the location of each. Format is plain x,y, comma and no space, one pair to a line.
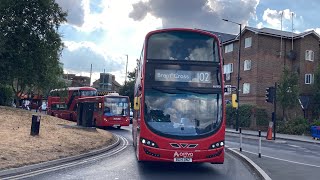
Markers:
308,78
247,42
247,65
228,68
309,55
246,88
228,48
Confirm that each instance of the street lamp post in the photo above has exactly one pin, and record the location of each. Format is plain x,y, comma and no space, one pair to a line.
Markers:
125,80
238,78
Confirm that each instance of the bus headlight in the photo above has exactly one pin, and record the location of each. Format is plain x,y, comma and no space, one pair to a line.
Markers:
148,142
217,145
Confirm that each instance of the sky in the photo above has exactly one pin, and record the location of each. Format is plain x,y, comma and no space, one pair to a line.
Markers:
107,33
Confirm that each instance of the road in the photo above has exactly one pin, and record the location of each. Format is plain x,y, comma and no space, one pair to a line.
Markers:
282,159
121,164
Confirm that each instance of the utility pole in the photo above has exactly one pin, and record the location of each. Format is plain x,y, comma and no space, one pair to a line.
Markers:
103,77
275,110
90,75
238,78
125,80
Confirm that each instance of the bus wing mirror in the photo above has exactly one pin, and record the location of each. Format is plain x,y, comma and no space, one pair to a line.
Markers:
136,103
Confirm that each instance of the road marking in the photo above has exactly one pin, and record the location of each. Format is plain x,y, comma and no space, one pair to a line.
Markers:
295,146
71,164
312,165
253,164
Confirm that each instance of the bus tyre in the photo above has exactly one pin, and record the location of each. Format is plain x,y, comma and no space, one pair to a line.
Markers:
71,117
118,127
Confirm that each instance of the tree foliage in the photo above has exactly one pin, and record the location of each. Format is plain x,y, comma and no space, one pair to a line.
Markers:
288,91
128,88
30,45
5,95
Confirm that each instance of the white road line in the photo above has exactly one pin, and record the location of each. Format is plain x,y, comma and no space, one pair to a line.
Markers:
312,165
67,165
295,146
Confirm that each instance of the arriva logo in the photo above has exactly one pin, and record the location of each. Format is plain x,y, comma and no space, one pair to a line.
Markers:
183,154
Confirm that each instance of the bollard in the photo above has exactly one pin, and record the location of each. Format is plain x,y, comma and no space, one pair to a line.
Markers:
240,139
259,144
35,125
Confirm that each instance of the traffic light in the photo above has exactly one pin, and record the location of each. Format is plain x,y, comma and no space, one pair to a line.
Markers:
270,93
234,101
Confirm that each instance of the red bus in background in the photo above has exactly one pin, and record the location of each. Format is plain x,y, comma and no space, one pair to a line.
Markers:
110,110
62,102
179,110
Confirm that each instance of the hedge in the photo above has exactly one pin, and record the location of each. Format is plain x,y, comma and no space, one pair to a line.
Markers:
245,113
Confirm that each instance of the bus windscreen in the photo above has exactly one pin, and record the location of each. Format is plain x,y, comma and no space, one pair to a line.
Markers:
183,115
177,45
116,106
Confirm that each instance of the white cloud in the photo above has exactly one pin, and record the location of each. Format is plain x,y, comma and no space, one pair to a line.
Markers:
273,18
120,35
75,11
78,57
203,14
259,25
317,30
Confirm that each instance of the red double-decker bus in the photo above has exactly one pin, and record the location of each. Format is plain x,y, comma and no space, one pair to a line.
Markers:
62,102
179,110
109,110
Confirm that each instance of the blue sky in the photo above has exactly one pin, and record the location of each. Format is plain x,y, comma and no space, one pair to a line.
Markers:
103,32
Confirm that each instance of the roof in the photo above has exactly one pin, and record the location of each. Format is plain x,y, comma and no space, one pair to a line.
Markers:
279,33
223,37
271,32
268,31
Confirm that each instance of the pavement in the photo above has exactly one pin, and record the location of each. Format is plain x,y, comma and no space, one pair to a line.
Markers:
279,136
255,134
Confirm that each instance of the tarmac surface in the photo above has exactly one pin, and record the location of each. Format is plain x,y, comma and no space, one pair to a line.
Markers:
231,132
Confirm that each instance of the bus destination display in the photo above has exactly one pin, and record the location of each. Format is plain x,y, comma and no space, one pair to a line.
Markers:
183,76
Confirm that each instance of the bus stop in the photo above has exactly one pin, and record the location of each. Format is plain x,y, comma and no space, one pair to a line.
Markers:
85,114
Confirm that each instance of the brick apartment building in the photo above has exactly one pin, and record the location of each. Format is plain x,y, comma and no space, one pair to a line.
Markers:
106,83
76,81
264,54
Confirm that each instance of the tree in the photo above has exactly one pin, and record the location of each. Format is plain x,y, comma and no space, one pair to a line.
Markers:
316,93
288,91
30,45
128,88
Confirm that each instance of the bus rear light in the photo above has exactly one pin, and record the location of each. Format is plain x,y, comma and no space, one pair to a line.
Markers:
217,145
148,142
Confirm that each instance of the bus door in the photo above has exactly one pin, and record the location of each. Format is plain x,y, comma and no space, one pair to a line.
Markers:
98,112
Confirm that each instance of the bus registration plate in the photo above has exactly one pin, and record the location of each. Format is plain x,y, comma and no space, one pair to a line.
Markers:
182,159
